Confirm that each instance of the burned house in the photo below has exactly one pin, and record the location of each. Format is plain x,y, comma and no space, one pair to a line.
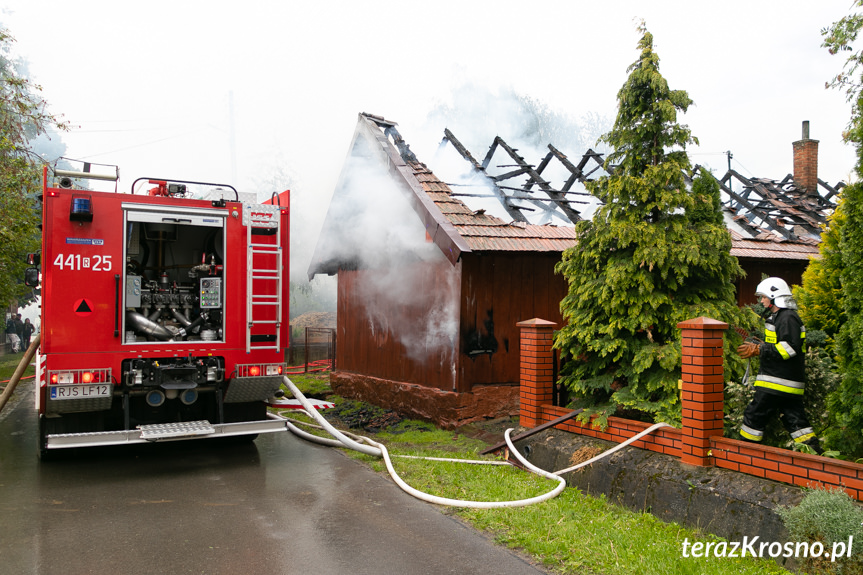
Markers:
776,225
430,290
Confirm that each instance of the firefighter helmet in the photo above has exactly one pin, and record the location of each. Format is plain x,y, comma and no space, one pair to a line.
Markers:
778,291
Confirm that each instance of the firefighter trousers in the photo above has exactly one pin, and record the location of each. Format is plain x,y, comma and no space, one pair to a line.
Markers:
762,407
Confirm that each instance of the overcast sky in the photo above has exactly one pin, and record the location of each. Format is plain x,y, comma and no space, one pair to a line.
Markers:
148,86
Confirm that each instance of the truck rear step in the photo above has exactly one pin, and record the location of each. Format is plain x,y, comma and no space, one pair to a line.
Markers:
165,432
183,429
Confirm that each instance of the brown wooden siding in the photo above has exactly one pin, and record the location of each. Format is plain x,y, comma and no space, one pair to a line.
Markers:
501,290
789,270
394,327
381,334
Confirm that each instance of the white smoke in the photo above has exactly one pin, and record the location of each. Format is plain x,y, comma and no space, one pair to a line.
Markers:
476,115
372,227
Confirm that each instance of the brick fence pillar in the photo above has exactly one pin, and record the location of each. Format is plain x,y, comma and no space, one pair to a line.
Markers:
703,387
537,369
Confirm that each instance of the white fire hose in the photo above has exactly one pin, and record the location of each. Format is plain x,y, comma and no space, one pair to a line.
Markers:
376,449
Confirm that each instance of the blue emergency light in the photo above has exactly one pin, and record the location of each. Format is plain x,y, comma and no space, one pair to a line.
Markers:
82,209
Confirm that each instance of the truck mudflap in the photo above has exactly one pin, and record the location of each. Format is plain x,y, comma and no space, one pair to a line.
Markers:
166,432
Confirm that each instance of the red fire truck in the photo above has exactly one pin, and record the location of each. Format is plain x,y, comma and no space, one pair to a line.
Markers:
164,316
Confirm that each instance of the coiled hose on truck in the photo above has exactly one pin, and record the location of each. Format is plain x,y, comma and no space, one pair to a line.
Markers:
375,449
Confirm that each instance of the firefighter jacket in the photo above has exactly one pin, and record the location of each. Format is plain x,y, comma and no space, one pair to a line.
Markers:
783,354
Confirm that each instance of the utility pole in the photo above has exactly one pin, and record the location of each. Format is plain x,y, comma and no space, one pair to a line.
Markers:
232,141
730,180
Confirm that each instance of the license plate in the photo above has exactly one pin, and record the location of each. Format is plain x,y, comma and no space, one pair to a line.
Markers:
80,391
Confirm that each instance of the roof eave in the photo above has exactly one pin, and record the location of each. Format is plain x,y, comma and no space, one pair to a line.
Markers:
438,227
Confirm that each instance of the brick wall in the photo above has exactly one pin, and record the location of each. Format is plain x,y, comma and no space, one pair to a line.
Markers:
665,440
699,441
787,466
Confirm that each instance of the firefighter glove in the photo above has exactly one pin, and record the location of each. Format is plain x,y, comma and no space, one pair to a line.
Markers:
747,350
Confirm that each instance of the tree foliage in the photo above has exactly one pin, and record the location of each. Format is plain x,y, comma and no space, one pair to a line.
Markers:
820,295
23,116
655,254
846,403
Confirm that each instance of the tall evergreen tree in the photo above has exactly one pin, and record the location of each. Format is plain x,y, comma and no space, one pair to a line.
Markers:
654,254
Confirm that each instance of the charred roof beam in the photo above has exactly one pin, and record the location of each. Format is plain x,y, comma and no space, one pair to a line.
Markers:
403,148
577,171
547,206
571,214
831,191
513,212
743,201
509,175
488,155
539,169
789,205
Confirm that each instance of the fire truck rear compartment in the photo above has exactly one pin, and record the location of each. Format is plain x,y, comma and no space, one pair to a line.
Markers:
174,277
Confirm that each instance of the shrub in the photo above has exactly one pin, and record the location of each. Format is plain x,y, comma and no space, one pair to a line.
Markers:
828,516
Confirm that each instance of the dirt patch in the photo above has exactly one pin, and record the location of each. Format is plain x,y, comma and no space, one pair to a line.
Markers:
584,454
356,415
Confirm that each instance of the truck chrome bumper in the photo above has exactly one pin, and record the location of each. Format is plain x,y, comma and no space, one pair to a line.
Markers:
166,432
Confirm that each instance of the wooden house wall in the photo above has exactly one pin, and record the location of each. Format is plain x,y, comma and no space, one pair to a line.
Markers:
498,291
789,270
400,325
484,297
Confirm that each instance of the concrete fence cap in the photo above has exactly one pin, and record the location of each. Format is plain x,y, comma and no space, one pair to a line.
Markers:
702,323
536,322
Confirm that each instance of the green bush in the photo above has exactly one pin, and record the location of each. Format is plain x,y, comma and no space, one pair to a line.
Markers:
828,516
820,296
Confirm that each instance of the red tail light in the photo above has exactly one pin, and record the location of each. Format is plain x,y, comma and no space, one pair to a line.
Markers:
254,371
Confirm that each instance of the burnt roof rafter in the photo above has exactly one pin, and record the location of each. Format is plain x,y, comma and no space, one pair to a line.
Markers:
831,190
536,178
767,205
552,202
513,211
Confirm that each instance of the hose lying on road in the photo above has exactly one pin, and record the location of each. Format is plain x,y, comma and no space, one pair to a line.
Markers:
19,371
375,449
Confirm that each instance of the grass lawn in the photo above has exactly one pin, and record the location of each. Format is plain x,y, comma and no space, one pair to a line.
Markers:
573,533
8,365
313,384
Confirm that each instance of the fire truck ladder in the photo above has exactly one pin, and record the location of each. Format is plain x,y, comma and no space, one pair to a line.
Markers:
266,219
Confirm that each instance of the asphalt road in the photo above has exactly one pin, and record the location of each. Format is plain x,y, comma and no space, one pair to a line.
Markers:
278,505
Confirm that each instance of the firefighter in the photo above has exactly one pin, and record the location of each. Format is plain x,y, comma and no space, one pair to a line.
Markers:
781,379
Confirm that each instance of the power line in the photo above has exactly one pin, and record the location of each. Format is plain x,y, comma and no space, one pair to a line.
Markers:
142,144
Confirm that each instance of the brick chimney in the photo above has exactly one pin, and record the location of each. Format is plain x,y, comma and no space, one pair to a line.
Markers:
806,162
